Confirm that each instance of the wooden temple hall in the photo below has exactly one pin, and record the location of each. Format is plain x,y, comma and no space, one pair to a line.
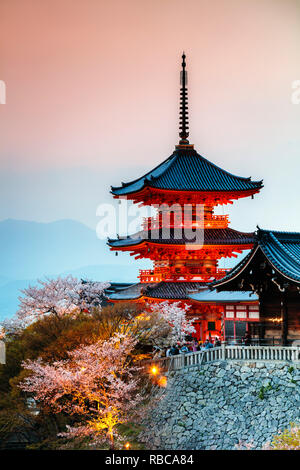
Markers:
272,271
184,271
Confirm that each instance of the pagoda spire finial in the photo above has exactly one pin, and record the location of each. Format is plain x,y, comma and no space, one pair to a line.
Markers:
183,114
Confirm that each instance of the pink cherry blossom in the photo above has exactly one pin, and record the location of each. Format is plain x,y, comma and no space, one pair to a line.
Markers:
58,296
174,316
97,383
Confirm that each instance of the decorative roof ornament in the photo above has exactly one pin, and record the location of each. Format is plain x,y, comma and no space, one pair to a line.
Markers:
183,114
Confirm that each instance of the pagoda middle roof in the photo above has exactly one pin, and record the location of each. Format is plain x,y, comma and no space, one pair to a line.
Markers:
186,170
281,249
225,236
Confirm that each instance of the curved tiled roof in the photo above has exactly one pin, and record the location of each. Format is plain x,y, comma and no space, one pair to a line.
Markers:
218,236
115,287
172,290
281,249
128,293
207,295
186,170
197,291
160,290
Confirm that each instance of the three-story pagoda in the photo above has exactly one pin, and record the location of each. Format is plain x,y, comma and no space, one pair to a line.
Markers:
184,190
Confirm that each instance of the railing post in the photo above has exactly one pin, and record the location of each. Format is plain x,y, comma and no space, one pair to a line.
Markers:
184,360
294,354
223,350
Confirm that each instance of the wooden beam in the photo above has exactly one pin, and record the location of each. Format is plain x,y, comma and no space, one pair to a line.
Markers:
284,317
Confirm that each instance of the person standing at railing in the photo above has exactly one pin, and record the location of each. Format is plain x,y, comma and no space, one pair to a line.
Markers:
207,345
184,349
217,342
174,351
246,340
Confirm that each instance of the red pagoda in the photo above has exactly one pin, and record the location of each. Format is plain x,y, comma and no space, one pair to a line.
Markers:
182,270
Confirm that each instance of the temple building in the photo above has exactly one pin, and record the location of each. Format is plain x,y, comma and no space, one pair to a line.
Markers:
272,271
185,240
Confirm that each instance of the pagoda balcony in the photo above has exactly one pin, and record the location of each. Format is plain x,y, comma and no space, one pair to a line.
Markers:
165,274
215,221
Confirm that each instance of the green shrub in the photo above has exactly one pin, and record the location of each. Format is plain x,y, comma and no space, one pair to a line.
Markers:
289,439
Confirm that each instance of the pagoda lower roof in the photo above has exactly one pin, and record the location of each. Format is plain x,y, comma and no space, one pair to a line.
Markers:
226,236
186,170
280,249
195,291
162,290
172,290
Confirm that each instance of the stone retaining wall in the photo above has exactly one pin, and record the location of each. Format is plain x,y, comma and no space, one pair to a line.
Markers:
222,403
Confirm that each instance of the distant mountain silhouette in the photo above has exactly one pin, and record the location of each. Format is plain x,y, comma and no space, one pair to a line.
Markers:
31,250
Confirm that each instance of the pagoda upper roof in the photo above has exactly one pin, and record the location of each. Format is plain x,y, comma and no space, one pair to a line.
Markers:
280,249
217,236
186,170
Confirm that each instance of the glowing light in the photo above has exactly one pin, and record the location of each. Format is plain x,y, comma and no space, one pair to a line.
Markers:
142,317
127,446
154,370
276,320
162,382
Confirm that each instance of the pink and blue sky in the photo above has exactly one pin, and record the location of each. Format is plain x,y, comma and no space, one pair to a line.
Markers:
93,93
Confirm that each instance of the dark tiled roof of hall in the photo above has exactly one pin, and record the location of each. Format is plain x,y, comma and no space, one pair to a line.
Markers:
281,249
217,236
186,170
128,293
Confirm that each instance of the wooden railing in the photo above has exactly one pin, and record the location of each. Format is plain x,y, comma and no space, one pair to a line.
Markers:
212,221
189,274
227,352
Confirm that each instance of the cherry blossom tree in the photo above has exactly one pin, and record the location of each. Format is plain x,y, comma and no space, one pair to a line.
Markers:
59,296
97,383
169,323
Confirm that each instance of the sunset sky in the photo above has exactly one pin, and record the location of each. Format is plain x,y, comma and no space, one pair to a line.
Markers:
93,98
